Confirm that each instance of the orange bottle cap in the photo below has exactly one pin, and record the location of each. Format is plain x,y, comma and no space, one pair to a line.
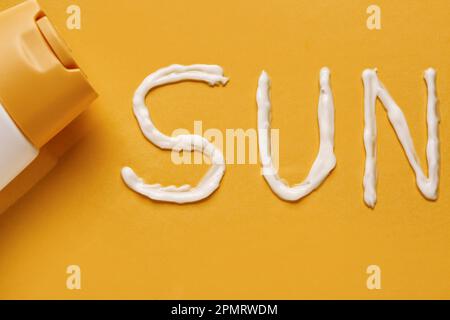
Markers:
41,86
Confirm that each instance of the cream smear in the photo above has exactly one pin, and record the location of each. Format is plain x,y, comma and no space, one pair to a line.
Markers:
325,161
373,88
210,74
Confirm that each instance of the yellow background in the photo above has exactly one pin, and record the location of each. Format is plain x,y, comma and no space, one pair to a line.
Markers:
243,242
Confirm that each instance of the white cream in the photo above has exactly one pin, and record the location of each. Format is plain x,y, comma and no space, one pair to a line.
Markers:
373,88
210,74
325,161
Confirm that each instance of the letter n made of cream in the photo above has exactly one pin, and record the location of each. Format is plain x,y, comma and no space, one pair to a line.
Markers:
373,88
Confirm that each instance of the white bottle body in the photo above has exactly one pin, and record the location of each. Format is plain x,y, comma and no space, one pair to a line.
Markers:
16,152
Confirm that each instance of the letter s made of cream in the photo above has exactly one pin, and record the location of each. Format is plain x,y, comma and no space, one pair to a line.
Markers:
211,74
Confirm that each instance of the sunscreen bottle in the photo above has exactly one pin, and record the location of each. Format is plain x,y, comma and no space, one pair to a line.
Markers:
42,89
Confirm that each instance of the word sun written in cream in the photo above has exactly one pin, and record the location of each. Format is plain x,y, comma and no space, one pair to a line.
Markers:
325,161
